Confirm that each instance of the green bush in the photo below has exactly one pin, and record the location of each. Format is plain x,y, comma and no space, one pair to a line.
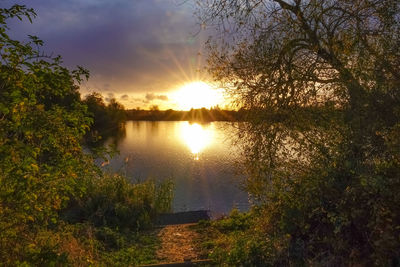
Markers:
236,221
112,201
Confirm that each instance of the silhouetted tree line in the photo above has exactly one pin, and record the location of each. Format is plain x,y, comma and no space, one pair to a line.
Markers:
203,115
108,119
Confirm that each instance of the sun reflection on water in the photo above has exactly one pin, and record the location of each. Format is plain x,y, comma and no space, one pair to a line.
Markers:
196,137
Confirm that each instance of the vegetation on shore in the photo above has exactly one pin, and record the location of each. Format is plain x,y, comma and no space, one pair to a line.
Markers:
56,206
230,240
322,155
198,115
320,80
108,118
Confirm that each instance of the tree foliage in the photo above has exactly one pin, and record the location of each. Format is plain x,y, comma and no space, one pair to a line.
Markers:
41,123
43,169
108,119
106,116
321,79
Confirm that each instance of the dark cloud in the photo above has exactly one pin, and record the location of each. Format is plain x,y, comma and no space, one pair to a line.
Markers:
109,96
124,97
131,46
151,96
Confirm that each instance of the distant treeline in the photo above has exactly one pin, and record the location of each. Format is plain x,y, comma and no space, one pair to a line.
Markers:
203,114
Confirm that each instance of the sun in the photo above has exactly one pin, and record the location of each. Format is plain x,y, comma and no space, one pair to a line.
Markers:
197,95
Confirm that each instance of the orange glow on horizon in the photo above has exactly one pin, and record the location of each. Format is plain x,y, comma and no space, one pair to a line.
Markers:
197,95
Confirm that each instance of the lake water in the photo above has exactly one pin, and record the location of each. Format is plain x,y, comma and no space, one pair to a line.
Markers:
199,158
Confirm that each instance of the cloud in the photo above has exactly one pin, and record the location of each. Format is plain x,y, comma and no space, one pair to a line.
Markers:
151,97
124,97
109,96
145,46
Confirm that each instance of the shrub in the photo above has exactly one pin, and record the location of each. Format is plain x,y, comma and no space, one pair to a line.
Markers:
112,201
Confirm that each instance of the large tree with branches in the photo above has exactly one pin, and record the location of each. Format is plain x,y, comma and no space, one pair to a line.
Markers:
320,80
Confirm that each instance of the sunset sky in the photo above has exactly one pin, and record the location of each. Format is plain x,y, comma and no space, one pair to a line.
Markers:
139,51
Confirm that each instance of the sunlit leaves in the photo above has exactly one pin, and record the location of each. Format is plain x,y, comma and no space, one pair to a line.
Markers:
42,121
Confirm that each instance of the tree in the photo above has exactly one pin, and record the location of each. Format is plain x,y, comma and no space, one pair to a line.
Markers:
321,82
107,120
56,206
42,121
116,112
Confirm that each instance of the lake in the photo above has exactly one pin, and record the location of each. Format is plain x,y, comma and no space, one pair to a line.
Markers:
199,158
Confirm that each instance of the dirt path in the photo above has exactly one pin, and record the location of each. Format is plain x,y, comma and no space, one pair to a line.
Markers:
177,244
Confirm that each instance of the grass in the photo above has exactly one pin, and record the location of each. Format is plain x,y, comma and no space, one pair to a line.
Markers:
216,237
111,225
84,244
138,248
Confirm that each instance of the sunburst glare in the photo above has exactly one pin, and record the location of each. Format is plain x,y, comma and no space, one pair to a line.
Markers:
197,95
196,137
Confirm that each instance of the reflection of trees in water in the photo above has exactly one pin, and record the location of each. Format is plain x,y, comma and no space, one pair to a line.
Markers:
154,128
111,137
108,120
